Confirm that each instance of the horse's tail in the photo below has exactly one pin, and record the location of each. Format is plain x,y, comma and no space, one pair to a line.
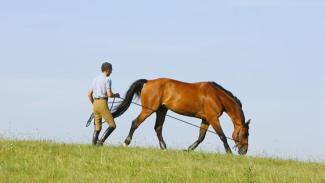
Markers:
135,89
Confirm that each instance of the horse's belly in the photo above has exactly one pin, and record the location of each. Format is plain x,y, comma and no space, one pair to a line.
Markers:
189,109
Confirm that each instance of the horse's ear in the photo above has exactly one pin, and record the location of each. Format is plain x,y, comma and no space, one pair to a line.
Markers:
248,123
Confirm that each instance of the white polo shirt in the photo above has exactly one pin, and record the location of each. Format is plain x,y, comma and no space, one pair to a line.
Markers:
100,86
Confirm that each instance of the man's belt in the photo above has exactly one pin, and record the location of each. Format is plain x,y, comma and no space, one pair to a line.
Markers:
102,98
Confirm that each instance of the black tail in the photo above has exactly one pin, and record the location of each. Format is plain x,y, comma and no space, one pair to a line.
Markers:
135,88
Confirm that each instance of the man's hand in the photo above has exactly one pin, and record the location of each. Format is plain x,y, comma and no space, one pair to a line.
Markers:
110,93
117,95
90,96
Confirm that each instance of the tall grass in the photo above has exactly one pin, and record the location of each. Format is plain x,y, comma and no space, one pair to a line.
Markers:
32,161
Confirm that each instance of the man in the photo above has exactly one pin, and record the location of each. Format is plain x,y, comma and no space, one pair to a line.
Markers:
98,95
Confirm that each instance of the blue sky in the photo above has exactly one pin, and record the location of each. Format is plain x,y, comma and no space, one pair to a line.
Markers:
268,53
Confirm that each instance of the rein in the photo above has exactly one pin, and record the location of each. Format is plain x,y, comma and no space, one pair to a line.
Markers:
182,121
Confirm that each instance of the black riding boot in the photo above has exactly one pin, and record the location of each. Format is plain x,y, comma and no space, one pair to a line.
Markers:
107,133
95,137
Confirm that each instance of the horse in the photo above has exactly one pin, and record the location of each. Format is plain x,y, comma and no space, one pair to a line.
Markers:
204,100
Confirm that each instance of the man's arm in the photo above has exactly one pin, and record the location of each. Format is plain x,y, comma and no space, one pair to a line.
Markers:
109,92
90,96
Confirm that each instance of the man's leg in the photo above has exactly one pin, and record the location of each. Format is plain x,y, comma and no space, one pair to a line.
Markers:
107,115
98,127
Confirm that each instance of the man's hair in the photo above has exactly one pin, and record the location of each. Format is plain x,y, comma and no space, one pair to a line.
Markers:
106,66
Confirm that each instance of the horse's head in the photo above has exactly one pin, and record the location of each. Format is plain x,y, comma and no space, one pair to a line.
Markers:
240,136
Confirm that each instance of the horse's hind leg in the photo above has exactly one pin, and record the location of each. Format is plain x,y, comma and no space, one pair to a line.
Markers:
161,115
145,113
215,123
203,130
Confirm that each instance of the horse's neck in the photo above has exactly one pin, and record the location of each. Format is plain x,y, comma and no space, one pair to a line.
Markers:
236,114
233,107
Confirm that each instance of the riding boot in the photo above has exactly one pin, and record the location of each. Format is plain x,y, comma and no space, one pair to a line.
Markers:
107,133
95,137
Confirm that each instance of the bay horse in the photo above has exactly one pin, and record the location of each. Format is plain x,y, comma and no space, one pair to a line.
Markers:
203,100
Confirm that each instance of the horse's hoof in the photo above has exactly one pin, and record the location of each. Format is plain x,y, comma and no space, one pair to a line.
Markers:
125,145
190,149
100,144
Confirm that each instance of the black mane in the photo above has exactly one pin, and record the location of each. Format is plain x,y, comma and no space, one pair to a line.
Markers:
228,93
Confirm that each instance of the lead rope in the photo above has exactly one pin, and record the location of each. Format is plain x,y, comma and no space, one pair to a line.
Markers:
180,120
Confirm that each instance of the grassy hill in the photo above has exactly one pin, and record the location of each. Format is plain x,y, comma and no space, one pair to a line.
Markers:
30,161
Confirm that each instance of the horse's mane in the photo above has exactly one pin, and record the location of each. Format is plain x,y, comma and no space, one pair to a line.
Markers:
228,93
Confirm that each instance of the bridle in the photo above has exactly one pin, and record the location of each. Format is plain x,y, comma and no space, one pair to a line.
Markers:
236,147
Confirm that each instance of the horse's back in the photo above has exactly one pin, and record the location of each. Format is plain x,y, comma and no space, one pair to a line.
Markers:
168,81
181,97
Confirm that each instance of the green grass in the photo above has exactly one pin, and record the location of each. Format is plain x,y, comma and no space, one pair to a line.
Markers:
30,161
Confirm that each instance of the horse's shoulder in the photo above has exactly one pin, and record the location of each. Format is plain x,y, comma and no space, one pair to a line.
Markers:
177,82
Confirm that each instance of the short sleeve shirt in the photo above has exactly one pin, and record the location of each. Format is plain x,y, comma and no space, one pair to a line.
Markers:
100,86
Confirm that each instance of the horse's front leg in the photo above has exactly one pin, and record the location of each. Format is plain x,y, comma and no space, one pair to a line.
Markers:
203,130
215,123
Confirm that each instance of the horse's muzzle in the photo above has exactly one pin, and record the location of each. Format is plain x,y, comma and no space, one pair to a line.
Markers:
243,150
